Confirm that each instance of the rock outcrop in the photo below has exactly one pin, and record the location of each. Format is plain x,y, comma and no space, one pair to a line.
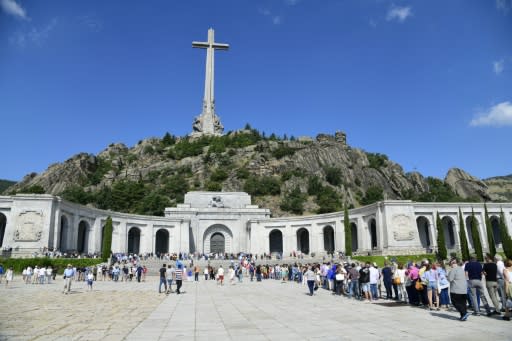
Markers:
466,185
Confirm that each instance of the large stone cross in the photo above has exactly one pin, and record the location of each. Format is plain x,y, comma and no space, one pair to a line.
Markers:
208,122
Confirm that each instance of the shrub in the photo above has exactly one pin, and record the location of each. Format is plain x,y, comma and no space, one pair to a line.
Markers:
376,160
106,247
282,151
242,173
372,195
265,185
213,186
333,175
57,264
293,201
219,175
328,201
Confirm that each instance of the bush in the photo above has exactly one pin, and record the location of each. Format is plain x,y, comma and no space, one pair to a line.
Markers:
372,195
376,160
242,173
293,201
333,175
219,175
314,185
282,151
34,189
77,194
18,264
328,201
265,185
213,186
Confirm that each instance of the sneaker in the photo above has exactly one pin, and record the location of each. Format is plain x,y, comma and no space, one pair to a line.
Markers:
505,318
465,317
476,313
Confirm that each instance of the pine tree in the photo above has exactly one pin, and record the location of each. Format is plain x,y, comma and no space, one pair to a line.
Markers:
106,248
464,249
490,237
505,237
476,237
348,234
442,253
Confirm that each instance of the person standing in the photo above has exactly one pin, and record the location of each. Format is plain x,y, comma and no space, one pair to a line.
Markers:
354,282
474,272
1,272
90,280
9,276
205,272
364,279
69,274
374,281
490,271
220,275
197,269
163,281
231,274
179,278
458,289
431,276
387,276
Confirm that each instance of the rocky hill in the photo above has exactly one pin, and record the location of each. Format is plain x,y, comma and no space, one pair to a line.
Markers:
4,184
500,186
287,175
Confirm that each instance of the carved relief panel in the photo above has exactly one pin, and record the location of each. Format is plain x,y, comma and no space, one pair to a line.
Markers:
29,226
402,227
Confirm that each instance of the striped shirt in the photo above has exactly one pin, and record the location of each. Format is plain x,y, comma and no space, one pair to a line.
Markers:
179,274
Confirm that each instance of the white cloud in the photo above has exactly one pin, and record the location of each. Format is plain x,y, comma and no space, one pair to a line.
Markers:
504,5
36,36
398,13
11,7
276,19
292,2
92,22
498,66
498,115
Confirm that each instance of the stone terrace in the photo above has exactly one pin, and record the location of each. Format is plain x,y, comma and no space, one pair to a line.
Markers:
269,310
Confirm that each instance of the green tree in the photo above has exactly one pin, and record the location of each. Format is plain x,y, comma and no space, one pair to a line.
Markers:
476,238
34,189
333,175
315,186
348,234
442,252
328,201
75,193
490,236
106,248
373,194
505,236
293,201
464,248
168,139
153,204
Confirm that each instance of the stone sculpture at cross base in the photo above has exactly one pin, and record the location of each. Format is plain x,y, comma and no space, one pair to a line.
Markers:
208,123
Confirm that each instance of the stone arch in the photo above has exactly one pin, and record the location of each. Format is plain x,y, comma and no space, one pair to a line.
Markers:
162,241
372,224
329,239
83,237
3,225
422,224
64,231
469,232
134,240
275,238
355,242
495,225
448,227
220,232
303,240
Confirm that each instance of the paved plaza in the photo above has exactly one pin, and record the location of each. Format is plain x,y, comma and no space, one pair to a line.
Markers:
268,310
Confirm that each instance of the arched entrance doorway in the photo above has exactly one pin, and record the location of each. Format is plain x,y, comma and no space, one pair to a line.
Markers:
329,239
373,233
303,241
162,242
217,243
83,237
353,232
64,232
275,242
495,224
449,232
422,224
134,240
3,224
219,237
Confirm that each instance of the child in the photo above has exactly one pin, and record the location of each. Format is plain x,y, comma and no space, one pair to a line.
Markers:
90,280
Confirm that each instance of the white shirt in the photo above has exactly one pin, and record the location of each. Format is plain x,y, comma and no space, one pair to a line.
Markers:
220,272
374,275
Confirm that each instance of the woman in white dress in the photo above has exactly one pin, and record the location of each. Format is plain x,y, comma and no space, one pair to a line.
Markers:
9,276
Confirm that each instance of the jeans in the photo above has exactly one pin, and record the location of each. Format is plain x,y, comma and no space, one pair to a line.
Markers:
164,282
196,276
178,286
354,289
311,286
169,283
373,290
339,287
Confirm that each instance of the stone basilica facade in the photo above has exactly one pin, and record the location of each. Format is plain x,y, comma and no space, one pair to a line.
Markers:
227,222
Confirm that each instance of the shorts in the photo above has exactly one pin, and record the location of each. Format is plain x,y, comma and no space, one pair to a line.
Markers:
365,287
432,286
221,277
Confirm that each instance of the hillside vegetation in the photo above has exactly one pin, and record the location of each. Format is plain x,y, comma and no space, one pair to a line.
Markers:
288,175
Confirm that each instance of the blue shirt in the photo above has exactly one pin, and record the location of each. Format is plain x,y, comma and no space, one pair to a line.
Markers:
474,270
69,272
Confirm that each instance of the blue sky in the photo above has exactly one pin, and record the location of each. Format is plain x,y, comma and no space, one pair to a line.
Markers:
429,83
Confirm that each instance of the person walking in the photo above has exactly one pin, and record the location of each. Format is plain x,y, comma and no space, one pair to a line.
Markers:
163,280
220,275
179,278
458,289
69,274
90,280
311,278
